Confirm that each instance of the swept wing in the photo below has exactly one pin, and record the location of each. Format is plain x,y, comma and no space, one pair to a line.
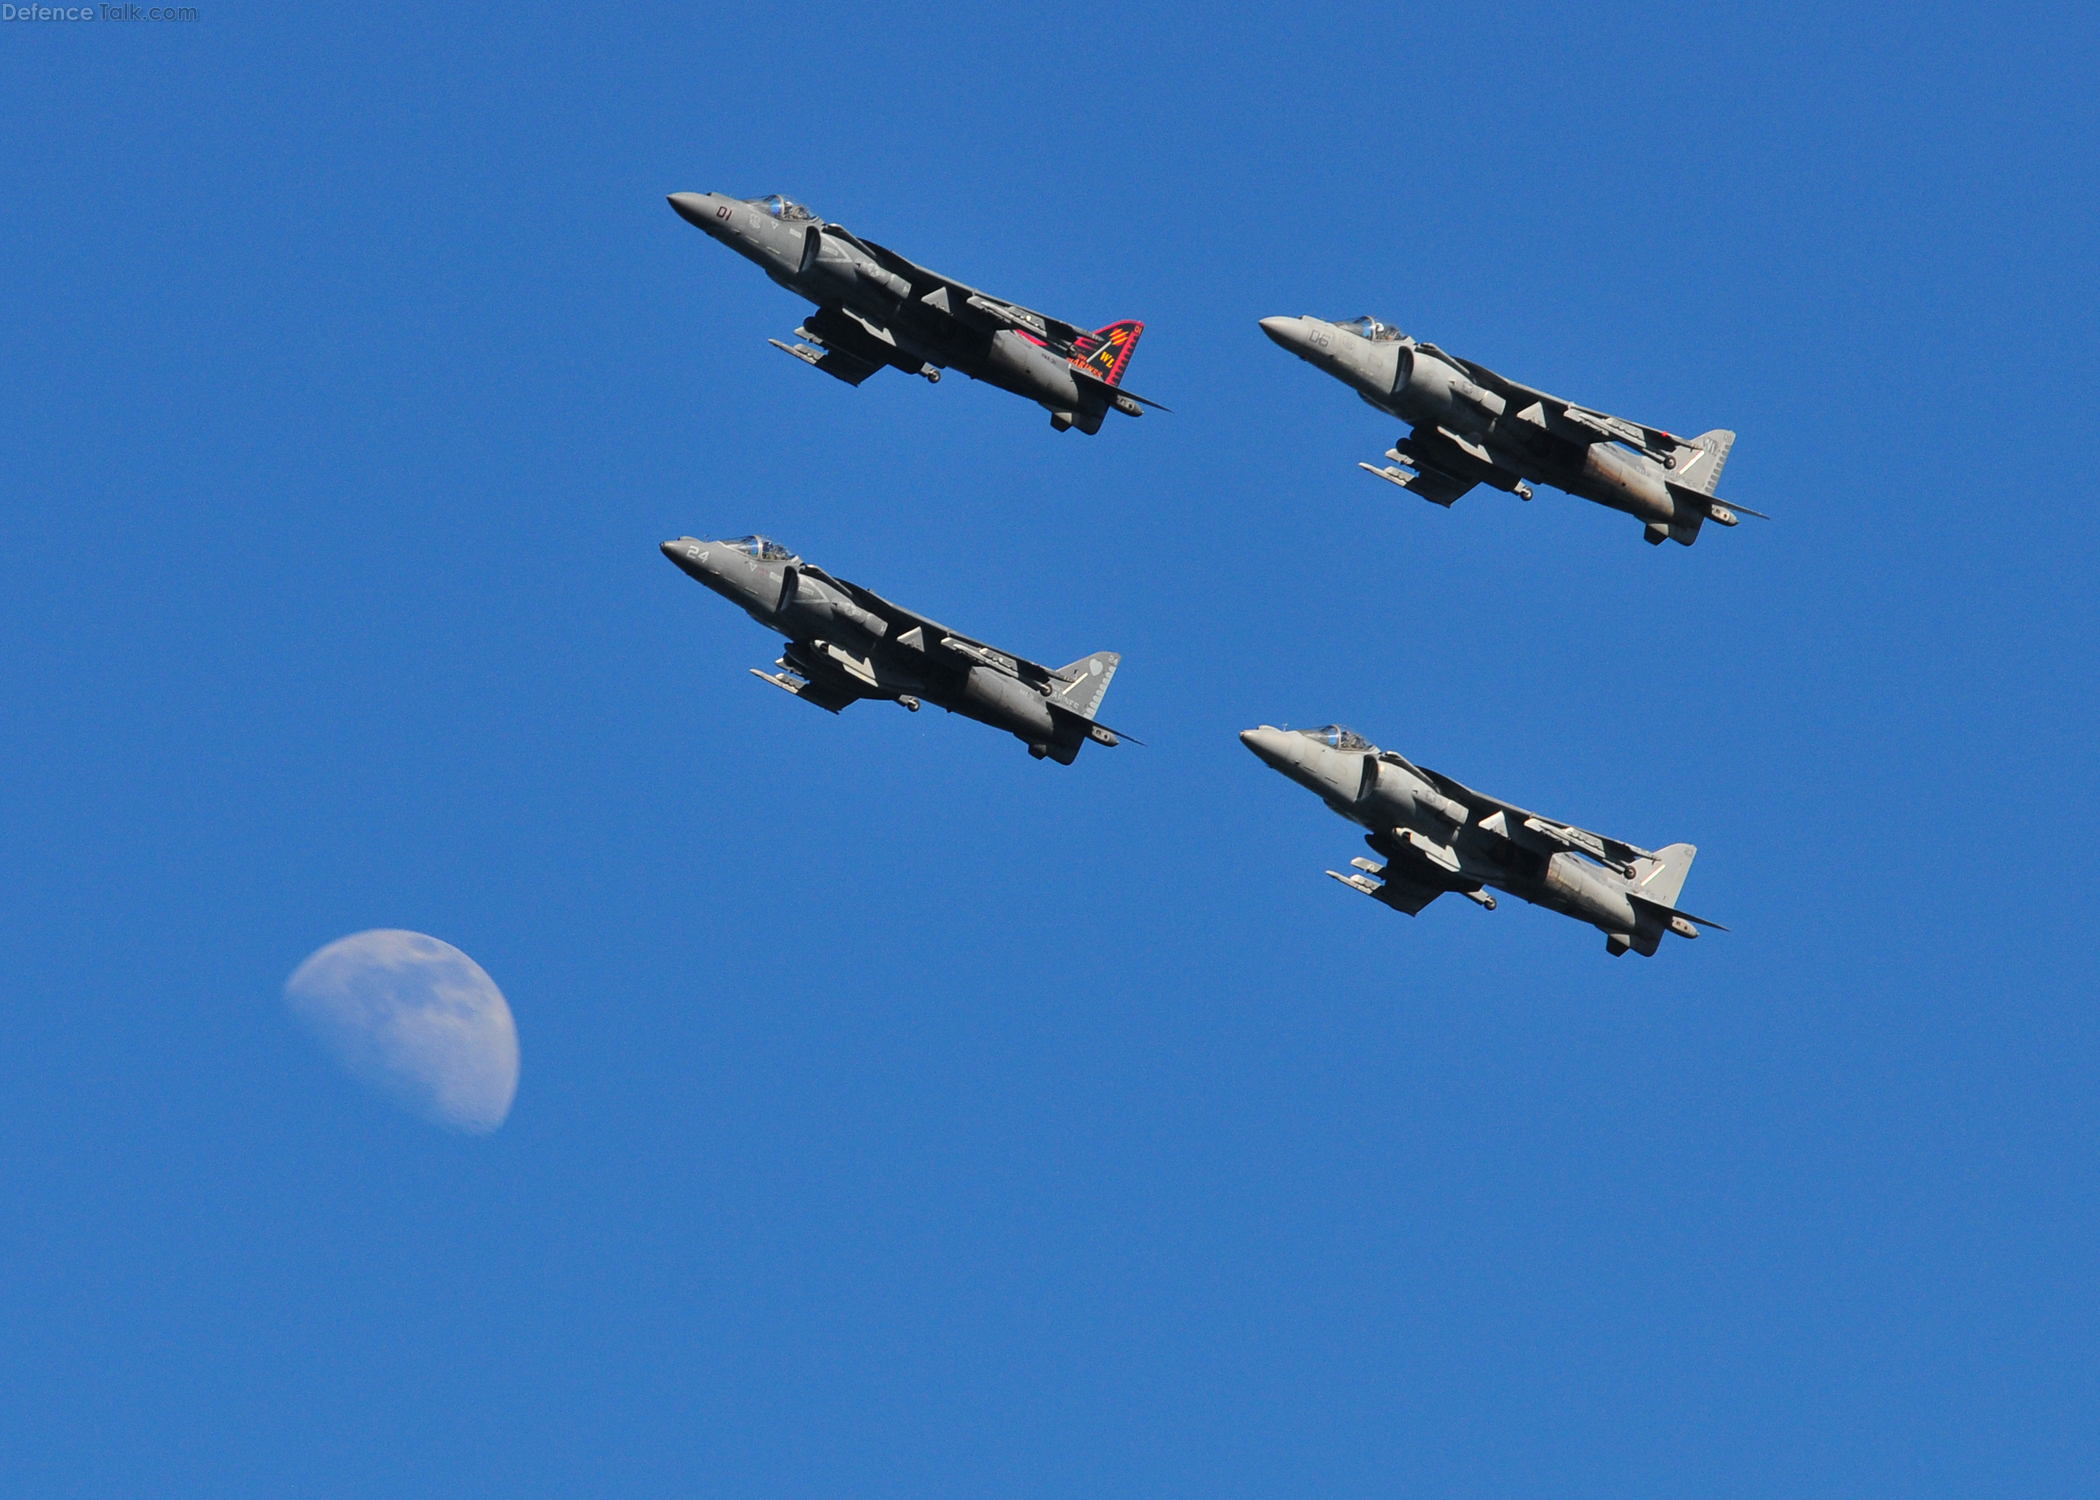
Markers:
961,301
966,303
1577,422
910,629
1614,854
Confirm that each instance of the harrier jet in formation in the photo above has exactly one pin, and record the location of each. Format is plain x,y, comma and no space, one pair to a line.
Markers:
1437,835
1472,426
845,643
876,308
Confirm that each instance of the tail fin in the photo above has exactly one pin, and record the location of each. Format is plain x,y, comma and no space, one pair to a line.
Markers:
1083,684
1709,452
1662,877
1110,348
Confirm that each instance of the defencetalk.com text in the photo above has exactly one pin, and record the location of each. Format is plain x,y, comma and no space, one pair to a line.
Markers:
99,13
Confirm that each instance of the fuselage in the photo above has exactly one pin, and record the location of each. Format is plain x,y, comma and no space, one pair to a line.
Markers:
823,265
1471,432
1381,794
834,641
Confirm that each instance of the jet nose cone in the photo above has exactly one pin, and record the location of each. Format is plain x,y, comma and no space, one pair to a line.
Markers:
693,208
1280,329
684,553
1289,333
1265,742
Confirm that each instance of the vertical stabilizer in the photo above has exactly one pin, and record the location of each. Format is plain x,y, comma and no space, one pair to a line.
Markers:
1082,685
1709,452
1107,351
1661,878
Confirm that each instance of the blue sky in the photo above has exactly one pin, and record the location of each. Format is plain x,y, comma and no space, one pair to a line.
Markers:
901,1116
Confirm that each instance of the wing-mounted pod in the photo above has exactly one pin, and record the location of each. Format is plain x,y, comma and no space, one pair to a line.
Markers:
802,678
1406,887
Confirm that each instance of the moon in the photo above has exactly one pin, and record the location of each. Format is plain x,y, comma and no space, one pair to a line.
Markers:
416,1019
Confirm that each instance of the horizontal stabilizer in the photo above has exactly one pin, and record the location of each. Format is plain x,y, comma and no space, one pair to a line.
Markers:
1724,511
1124,401
1095,731
1672,915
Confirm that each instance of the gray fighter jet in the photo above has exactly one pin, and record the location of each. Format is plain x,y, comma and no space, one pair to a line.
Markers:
1471,426
876,308
1437,835
845,643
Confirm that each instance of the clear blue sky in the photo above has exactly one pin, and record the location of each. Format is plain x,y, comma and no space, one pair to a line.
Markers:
901,1117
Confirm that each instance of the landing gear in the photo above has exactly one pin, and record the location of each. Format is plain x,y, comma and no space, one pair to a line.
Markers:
908,701
1523,490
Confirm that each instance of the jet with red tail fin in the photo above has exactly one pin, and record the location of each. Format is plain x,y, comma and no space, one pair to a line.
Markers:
877,309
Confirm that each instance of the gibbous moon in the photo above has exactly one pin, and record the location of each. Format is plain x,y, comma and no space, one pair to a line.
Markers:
416,1019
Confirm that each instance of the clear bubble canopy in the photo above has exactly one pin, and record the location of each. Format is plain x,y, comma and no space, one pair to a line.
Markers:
780,208
764,548
1335,737
1368,327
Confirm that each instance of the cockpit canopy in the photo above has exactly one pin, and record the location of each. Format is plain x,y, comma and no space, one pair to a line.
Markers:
1368,327
1335,737
765,549
780,208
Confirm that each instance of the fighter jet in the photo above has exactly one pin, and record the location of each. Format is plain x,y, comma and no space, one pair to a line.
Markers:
1437,835
845,643
1471,426
876,308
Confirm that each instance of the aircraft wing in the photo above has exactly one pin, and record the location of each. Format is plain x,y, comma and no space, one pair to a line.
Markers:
1399,894
1431,483
961,301
1068,340
1577,422
1517,395
1653,441
1613,853
1055,334
914,630
844,347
